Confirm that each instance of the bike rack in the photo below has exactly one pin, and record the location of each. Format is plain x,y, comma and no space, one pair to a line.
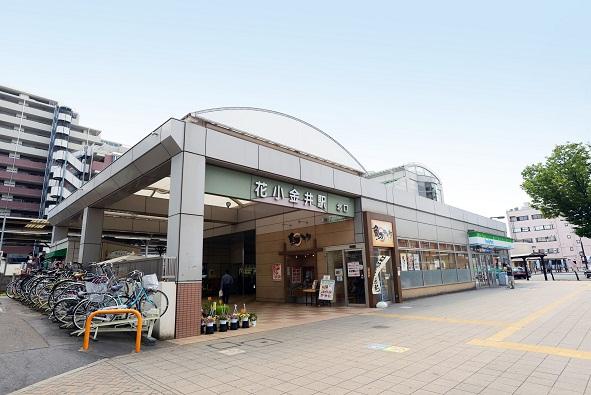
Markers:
138,332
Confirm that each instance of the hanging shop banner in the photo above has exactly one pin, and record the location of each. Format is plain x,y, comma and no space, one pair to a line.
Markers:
276,269
353,269
326,291
235,184
417,261
382,233
376,288
296,275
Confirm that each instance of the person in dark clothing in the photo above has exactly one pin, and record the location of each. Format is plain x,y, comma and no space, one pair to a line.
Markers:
226,286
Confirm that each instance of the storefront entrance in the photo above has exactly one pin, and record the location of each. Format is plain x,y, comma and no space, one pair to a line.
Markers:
346,266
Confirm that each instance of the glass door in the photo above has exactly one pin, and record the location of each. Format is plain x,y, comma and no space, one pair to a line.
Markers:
335,269
355,277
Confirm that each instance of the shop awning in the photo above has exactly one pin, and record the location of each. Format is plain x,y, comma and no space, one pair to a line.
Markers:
61,253
487,240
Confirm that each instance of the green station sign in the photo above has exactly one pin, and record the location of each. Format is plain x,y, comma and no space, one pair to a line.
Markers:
245,186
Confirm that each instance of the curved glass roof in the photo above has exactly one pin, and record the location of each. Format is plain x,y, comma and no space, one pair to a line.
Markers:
283,130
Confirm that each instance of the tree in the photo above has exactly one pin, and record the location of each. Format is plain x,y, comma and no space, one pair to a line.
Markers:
561,186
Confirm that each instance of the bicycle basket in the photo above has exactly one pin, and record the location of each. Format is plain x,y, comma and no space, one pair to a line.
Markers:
150,282
96,292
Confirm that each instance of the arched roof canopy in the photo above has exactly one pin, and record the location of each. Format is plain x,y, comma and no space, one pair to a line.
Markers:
283,130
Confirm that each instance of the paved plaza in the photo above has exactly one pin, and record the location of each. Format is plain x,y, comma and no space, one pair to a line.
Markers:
535,339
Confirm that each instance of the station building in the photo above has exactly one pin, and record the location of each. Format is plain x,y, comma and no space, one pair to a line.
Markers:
281,205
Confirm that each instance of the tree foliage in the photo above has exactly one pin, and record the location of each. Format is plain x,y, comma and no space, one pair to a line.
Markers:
561,186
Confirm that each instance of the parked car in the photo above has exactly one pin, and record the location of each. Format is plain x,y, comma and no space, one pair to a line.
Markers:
519,273
588,273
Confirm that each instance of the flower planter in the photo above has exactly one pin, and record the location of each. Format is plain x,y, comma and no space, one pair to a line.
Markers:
245,323
233,324
209,329
223,326
215,327
253,323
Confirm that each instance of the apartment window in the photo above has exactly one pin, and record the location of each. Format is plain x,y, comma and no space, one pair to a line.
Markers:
17,141
537,216
529,240
512,219
14,155
548,227
545,239
4,212
523,218
543,227
9,183
522,229
7,198
568,236
11,169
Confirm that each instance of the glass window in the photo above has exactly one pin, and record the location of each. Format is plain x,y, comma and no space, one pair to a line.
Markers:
462,261
547,227
568,236
403,243
428,245
537,216
523,218
446,247
512,219
429,260
447,260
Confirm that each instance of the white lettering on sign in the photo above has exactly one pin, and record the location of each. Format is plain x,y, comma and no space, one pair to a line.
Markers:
294,196
342,208
308,199
278,192
261,189
321,202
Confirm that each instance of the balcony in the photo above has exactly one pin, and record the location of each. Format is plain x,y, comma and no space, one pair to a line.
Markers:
22,163
21,191
19,206
28,178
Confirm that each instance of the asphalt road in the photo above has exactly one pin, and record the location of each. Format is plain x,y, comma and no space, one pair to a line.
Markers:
32,348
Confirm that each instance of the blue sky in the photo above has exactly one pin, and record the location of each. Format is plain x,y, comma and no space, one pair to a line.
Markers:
475,91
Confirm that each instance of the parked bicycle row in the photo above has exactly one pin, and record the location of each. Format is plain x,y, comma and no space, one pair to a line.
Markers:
69,294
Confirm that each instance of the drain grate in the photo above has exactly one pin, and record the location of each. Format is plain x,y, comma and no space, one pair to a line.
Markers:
260,342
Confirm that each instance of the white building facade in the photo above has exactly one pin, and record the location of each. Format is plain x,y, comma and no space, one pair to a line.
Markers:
554,237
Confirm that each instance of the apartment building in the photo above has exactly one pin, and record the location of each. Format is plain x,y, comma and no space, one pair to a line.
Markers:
552,236
45,155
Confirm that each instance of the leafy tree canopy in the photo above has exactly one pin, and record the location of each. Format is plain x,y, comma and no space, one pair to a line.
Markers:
561,186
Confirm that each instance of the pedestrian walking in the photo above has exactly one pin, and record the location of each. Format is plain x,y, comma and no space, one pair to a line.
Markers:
510,278
226,286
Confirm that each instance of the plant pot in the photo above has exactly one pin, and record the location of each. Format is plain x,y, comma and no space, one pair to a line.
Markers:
233,325
253,323
215,327
223,326
245,323
209,329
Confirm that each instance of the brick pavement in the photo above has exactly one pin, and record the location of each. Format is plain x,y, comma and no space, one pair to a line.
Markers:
438,336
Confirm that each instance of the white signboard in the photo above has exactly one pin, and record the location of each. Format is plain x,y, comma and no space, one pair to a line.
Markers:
326,291
376,288
353,269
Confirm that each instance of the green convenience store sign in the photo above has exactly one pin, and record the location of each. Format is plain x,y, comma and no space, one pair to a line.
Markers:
488,240
239,185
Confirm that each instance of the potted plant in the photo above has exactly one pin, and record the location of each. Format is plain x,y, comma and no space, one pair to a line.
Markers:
223,322
253,319
209,321
234,321
244,317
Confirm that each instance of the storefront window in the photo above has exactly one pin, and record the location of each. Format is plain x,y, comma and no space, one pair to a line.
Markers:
429,260
462,261
403,243
448,260
446,247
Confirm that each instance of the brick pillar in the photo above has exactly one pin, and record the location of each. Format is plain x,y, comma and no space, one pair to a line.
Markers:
185,238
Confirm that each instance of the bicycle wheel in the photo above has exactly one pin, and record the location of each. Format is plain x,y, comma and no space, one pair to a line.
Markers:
153,300
85,307
63,310
10,290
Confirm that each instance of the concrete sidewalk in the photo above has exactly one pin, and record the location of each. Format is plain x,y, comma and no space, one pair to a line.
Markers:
535,339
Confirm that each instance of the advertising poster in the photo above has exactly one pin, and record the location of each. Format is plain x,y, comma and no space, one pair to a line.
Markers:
326,291
417,260
411,261
383,235
403,262
296,275
276,268
353,269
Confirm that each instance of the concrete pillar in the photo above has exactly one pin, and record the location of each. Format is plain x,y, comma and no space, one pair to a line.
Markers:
185,238
59,233
91,237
